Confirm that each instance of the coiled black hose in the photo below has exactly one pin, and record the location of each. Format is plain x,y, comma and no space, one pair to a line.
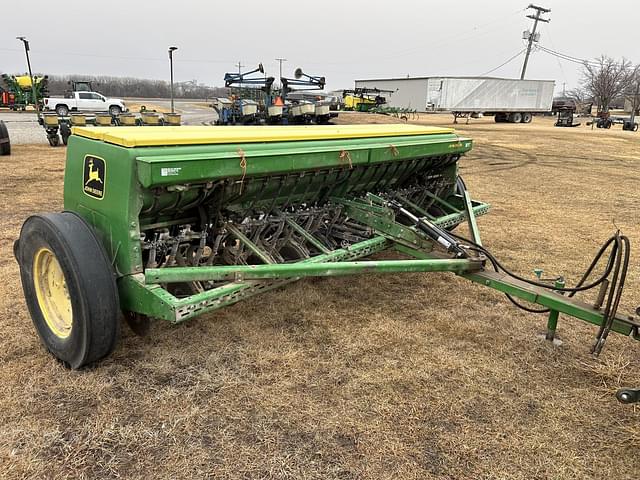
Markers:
617,262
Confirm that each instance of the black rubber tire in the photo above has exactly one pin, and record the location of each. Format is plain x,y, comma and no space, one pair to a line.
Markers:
526,117
54,141
501,118
515,117
5,147
62,110
115,110
90,283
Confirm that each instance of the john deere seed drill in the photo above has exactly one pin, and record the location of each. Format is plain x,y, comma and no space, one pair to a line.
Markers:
171,223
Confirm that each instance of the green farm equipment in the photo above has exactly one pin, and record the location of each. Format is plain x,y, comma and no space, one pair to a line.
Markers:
173,222
401,113
20,92
362,99
58,128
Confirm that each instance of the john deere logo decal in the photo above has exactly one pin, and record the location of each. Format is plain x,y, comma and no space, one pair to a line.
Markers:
94,175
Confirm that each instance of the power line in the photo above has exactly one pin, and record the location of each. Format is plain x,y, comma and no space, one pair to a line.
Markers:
566,57
471,33
548,30
510,59
118,57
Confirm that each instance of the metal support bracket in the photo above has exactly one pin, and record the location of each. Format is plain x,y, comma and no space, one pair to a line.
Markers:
471,218
265,257
552,321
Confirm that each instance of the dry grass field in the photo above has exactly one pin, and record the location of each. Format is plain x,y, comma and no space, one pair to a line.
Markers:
389,377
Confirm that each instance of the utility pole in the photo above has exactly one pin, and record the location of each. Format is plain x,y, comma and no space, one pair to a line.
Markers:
532,36
171,50
239,65
33,83
280,60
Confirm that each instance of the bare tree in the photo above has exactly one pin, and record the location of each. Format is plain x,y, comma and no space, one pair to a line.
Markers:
136,87
632,93
606,79
579,95
582,99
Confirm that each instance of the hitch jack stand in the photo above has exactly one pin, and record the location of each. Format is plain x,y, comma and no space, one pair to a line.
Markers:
552,322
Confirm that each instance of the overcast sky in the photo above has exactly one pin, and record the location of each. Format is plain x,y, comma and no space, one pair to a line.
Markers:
342,40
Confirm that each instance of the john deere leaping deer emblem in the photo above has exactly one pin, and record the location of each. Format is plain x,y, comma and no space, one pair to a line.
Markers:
94,175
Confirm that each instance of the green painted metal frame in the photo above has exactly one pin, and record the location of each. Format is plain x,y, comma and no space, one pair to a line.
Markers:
144,293
248,280
300,270
132,174
556,302
157,302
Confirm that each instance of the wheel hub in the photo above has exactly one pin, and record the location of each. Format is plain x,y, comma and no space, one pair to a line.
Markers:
52,293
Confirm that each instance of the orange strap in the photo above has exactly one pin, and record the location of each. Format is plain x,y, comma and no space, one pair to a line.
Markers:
243,166
345,155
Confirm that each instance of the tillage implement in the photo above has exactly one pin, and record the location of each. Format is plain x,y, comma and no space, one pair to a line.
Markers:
173,222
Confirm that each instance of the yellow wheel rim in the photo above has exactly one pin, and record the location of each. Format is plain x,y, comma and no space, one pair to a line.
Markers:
51,291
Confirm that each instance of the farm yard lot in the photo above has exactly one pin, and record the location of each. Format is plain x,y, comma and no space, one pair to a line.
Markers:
399,376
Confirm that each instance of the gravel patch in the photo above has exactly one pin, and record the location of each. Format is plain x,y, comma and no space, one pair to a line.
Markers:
24,129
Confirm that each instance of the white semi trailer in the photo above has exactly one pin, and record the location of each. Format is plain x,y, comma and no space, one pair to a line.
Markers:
507,99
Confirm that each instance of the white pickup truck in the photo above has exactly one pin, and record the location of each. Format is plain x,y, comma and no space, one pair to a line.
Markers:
84,102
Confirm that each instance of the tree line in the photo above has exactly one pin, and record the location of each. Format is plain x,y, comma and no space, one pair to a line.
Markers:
607,82
136,87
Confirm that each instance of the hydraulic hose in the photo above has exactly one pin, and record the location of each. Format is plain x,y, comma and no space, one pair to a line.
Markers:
578,288
617,263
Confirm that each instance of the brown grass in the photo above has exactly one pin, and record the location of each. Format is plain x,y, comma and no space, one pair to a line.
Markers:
387,377
134,107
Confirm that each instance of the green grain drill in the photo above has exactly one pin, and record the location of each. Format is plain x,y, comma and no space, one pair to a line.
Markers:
170,223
